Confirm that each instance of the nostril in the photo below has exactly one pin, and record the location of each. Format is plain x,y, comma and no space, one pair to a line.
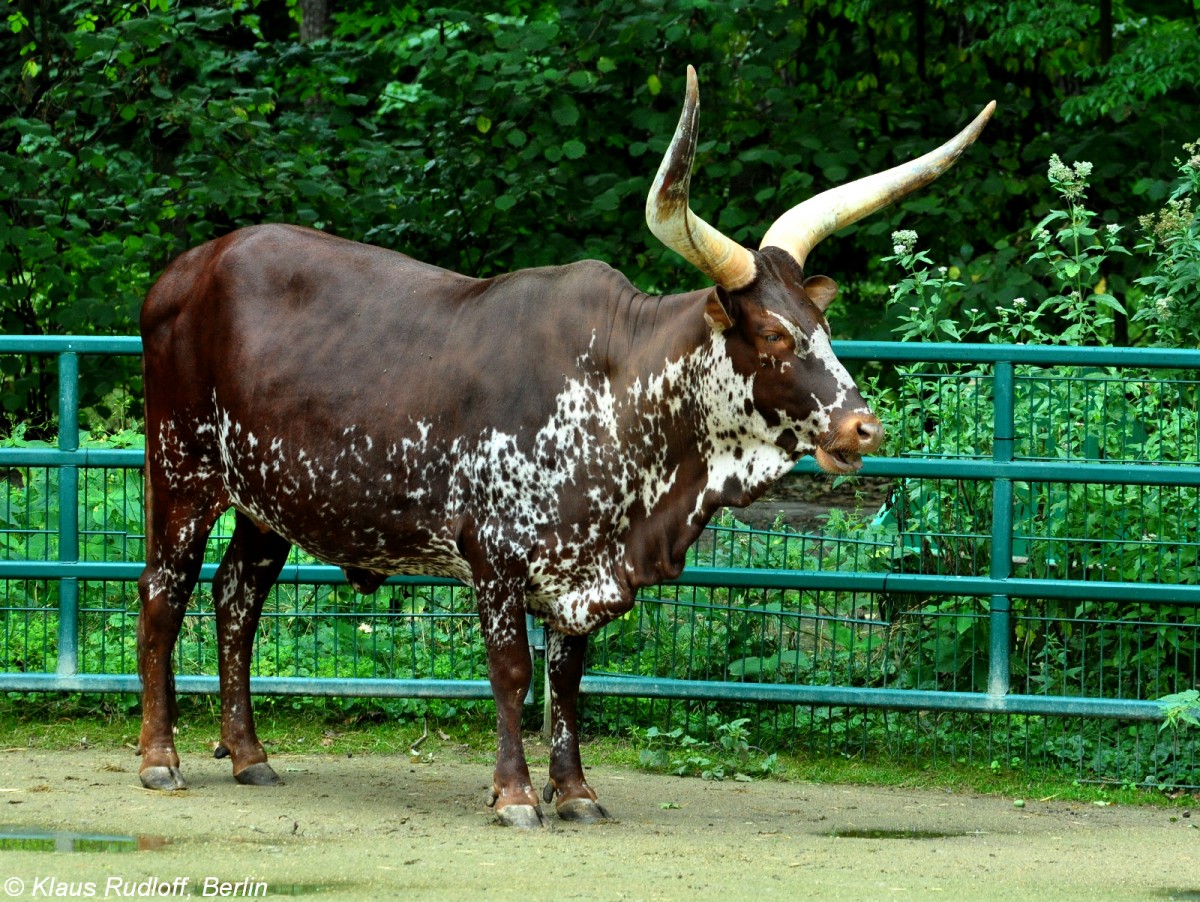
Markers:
859,432
870,434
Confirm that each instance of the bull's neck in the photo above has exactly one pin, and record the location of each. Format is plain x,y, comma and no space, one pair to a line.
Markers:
707,452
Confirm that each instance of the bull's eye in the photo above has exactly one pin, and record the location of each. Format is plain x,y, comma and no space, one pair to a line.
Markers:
772,337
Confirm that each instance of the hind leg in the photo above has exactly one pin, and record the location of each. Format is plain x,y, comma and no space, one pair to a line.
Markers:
250,567
177,528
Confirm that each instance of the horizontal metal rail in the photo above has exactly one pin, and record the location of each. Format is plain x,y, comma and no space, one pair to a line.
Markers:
896,352
618,686
78,344
369,687
901,467
702,577
852,697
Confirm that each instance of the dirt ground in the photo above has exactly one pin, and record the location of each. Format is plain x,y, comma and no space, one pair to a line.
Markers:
390,827
805,501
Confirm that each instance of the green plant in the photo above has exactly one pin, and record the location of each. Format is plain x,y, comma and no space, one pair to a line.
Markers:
1171,241
1073,531
730,756
457,131
1067,244
1074,249
1181,711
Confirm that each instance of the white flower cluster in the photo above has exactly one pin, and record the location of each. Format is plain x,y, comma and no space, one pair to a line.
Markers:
903,241
1070,181
1193,161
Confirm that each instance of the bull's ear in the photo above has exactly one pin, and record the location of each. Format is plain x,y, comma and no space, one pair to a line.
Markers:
821,290
718,310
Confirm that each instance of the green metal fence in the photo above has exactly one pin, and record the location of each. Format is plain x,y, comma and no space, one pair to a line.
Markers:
1034,565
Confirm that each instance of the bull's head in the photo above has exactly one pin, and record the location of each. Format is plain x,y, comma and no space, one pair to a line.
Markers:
770,316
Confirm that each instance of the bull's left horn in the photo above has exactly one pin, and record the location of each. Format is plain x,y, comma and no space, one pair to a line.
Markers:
800,229
720,258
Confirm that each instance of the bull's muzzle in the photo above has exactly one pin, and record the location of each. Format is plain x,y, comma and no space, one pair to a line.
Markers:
840,450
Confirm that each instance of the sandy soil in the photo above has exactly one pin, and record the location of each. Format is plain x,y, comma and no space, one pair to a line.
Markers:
388,827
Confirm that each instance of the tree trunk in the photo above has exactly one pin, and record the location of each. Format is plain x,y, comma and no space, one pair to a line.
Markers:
920,27
1106,30
314,20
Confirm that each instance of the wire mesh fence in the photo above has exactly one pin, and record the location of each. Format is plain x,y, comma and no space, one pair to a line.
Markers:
1024,593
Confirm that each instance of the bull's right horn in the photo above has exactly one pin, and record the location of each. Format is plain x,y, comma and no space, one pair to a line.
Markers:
720,258
800,229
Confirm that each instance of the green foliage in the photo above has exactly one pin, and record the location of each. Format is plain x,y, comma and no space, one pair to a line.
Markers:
1171,241
488,137
729,756
1072,531
1073,255
1154,57
1181,710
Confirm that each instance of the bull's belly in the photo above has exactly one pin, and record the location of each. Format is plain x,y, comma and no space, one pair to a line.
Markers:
365,543
576,595
387,507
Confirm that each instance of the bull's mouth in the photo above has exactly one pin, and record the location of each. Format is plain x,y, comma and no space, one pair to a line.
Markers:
838,462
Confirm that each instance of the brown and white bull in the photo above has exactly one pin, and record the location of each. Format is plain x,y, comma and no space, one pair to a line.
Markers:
553,437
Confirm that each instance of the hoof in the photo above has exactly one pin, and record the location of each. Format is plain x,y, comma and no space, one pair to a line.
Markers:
523,817
258,775
582,811
163,778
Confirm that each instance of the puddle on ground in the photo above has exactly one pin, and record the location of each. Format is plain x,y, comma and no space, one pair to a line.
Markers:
33,839
895,834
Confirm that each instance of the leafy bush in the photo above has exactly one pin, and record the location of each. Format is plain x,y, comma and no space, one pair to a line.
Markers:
457,131
1171,241
730,755
1073,531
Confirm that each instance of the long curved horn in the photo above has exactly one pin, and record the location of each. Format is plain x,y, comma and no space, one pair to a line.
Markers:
720,258
800,229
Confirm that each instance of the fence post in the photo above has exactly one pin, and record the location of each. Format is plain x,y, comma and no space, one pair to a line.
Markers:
1000,617
68,514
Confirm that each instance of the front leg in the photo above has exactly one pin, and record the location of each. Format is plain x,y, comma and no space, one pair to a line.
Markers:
564,665
502,618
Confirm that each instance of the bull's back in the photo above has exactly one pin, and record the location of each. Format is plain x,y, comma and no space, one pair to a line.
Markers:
266,287
272,312
330,382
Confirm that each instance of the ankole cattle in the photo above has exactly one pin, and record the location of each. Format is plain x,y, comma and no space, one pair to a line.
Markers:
553,437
